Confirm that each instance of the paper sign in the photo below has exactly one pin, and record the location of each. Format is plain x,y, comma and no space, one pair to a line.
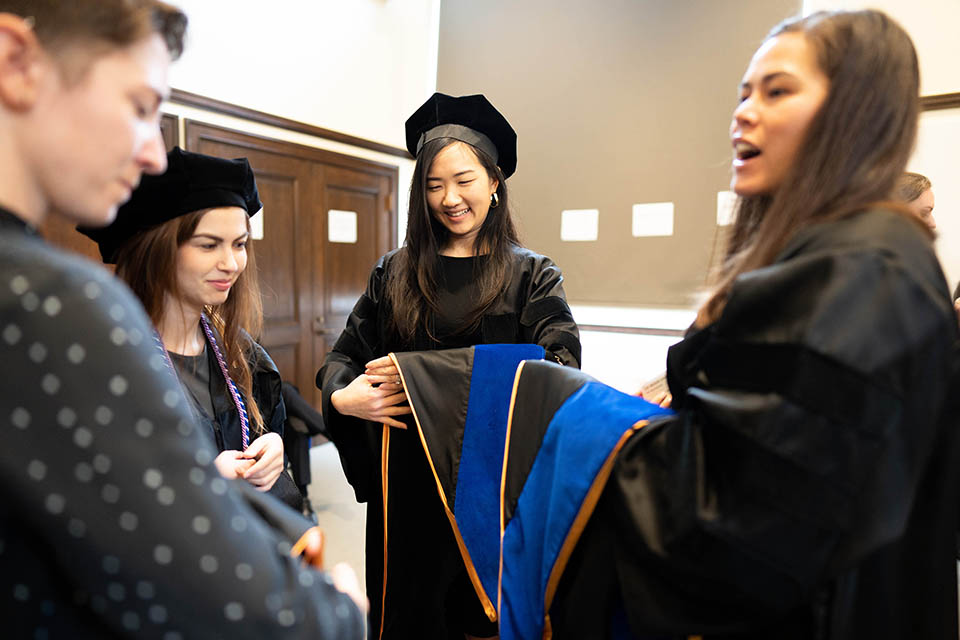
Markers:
579,225
653,219
342,226
725,202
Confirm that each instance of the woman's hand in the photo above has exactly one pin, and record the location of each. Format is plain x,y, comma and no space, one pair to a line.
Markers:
266,455
231,464
382,403
662,399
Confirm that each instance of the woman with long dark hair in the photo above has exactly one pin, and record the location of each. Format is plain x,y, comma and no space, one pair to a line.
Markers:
182,244
461,279
807,485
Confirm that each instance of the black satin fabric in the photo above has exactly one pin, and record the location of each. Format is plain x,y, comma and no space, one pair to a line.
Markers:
428,592
533,309
807,487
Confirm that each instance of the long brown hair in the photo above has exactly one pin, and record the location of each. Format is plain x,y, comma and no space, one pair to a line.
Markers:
854,150
148,264
412,286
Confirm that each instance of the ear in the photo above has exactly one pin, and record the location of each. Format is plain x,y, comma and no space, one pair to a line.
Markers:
494,185
21,62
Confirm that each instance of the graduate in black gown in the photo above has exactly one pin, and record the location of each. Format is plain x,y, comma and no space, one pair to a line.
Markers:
462,278
807,485
114,521
182,243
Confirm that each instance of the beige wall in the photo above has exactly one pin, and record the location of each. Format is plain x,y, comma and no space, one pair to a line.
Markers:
615,102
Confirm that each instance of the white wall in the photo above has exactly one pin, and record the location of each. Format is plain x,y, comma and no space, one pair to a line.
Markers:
938,150
932,24
360,67
355,66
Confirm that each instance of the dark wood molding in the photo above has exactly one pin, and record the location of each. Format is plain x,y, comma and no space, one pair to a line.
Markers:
641,331
940,101
195,130
219,106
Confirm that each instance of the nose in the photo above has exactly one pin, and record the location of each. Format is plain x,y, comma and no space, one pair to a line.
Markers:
744,115
152,155
451,198
228,261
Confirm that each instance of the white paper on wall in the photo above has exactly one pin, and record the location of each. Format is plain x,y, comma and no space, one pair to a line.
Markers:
342,226
653,219
725,202
579,225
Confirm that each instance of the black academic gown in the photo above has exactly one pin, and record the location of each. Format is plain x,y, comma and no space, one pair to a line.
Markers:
807,487
422,559
113,520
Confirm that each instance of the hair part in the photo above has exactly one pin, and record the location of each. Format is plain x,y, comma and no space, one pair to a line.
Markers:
855,148
148,264
412,286
911,186
65,27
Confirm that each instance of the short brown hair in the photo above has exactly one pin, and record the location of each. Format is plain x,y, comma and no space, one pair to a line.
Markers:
911,186
60,24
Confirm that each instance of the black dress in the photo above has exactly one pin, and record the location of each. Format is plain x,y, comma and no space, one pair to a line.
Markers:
214,408
113,520
428,594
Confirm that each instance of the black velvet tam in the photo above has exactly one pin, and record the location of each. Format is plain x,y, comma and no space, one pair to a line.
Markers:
471,119
192,182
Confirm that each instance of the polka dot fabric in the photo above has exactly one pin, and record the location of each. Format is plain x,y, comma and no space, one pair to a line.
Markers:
113,521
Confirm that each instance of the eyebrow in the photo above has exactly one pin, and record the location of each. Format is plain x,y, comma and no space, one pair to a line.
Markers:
767,78
456,175
210,236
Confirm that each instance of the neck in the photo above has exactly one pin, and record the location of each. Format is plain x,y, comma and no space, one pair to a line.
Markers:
459,248
179,328
18,191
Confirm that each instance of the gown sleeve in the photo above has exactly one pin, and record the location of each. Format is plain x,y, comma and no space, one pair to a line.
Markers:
357,441
545,316
113,485
813,399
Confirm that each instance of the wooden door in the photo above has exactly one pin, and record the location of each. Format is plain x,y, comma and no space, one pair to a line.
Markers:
346,265
309,284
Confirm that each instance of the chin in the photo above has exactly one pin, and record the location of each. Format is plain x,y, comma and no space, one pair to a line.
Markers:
99,217
745,189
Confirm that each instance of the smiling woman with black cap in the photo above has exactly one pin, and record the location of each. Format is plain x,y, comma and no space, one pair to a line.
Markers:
461,279
182,244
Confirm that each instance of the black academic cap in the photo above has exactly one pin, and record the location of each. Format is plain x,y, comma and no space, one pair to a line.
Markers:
192,182
471,119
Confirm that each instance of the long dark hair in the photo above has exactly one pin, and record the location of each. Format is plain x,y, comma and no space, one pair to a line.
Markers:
854,150
413,279
148,264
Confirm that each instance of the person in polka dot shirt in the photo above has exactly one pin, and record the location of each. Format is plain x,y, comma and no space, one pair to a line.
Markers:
114,521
